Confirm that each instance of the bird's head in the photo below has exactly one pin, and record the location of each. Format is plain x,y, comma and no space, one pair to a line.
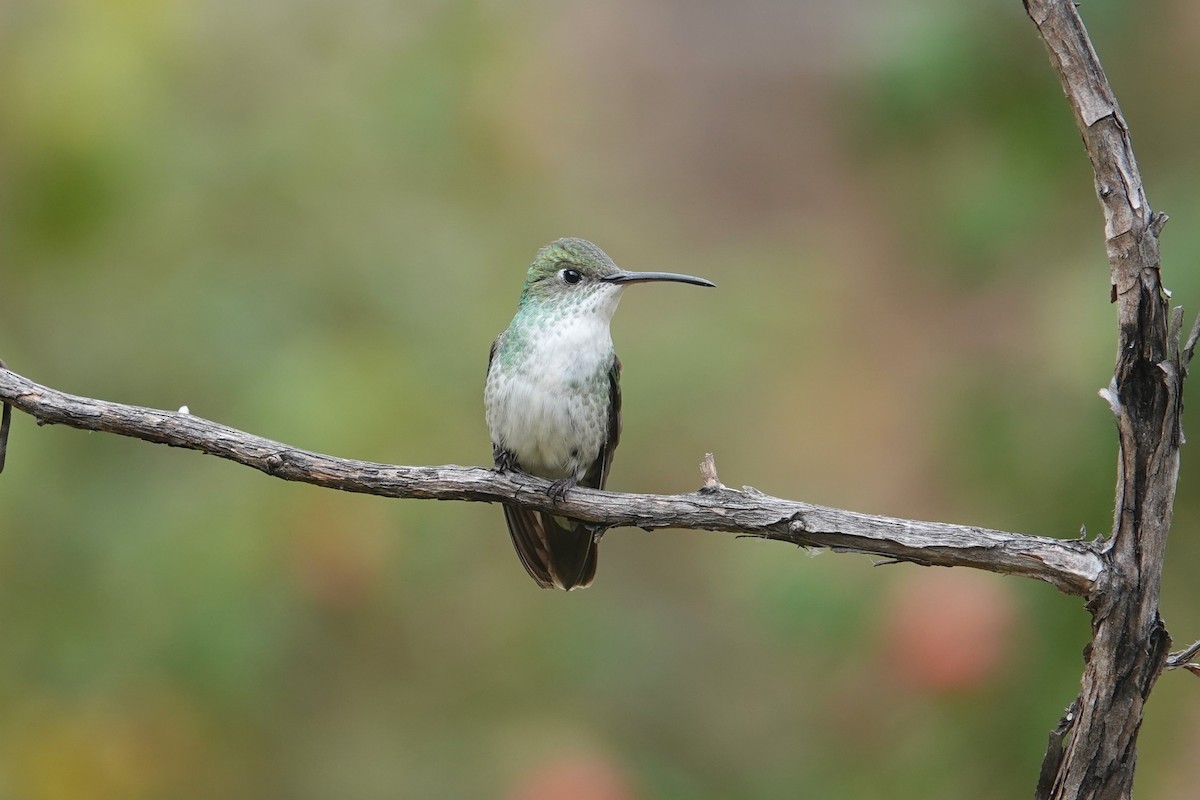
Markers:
574,273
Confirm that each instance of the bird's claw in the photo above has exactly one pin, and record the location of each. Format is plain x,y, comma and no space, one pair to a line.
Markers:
505,460
558,490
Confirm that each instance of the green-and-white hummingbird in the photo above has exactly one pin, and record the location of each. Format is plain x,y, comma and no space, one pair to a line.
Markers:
553,398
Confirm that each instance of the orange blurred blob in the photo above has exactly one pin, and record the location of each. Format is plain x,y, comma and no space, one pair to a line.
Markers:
135,747
948,630
579,777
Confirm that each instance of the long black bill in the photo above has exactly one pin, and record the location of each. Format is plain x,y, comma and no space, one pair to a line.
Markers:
645,277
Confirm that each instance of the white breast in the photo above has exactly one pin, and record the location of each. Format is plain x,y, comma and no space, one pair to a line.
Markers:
550,407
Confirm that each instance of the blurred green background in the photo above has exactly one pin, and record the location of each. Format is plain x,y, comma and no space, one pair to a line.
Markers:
308,220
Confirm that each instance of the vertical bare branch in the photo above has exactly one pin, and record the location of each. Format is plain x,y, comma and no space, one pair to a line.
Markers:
1092,752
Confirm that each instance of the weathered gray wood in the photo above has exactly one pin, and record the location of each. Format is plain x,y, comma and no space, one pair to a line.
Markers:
1071,565
1093,752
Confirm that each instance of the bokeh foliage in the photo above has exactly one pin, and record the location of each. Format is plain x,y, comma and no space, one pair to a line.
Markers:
309,219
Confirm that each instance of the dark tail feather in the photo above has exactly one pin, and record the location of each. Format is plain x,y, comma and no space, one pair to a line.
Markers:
558,553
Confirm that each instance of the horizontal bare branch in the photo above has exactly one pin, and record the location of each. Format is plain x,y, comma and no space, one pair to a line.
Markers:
1071,565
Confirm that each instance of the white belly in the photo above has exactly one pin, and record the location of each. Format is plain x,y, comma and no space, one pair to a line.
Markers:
549,406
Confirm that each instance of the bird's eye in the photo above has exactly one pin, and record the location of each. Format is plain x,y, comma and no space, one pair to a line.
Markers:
570,276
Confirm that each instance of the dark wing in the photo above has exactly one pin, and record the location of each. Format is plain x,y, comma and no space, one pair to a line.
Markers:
529,540
573,561
492,352
597,474
558,552
503,459
5,422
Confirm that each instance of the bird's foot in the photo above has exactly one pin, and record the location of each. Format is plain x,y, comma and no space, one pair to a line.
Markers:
558,490
505,460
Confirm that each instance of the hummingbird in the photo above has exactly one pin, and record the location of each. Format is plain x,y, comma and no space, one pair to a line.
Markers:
553,398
